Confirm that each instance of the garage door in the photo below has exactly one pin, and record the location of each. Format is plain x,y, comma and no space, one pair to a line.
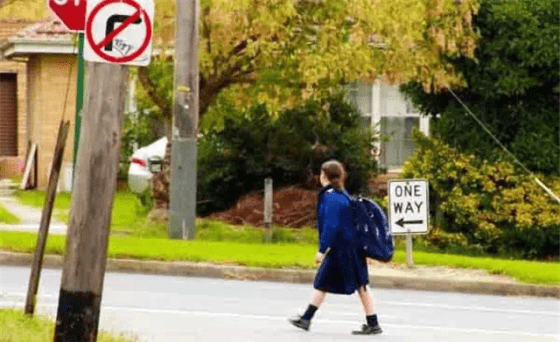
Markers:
8,115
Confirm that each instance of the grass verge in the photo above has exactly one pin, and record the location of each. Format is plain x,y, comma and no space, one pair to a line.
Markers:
129,219
18,327
279,255
36,198
128,214
135,237
7,217
532,272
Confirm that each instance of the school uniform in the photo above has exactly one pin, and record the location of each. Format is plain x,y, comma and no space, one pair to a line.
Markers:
343,270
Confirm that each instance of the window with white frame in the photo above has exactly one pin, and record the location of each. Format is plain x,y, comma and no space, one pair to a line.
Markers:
360,94
383,104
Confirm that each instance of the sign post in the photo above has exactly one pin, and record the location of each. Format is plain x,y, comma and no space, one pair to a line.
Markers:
408,210
72,13
79,102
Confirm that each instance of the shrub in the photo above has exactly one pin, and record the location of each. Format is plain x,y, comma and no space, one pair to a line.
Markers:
490,207
235,160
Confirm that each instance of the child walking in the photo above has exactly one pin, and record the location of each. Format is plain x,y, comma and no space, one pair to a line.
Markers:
342,269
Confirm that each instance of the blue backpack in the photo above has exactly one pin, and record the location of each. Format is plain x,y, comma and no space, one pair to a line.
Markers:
374,236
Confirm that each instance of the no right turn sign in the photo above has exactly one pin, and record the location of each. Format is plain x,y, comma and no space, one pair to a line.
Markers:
119,31
408,206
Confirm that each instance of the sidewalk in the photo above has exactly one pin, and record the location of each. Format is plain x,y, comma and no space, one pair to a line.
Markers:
30,216
390,276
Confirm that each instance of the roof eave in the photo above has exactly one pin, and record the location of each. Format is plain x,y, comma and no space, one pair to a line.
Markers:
14,47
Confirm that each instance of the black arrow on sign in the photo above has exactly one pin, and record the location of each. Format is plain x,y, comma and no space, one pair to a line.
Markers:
402,222
111,22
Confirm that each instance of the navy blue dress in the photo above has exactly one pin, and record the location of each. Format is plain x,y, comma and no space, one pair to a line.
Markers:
342,271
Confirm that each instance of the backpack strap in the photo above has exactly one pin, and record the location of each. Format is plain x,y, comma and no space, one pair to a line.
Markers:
350,197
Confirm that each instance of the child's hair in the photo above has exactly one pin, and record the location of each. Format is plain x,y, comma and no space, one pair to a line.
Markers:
334,171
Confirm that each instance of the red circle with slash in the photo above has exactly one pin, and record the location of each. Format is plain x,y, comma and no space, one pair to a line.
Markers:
97,47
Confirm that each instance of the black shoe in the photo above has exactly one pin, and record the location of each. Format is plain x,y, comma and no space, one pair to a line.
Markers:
300,322
368,330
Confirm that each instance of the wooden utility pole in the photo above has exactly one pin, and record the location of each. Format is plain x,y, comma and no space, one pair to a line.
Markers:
46,217
90,216
182,211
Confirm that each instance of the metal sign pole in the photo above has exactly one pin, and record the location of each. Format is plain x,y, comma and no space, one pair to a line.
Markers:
409,259
79,101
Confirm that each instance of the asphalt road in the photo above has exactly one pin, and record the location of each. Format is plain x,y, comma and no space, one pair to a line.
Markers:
167,308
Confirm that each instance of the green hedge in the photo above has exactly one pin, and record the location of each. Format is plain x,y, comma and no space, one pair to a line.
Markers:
490,207
288,146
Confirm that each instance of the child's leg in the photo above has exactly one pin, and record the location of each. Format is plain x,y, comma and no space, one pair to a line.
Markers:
318,297
366,299
304,321
316,300
372,326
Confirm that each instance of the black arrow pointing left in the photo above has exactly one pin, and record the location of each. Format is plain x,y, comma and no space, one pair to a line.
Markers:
402,222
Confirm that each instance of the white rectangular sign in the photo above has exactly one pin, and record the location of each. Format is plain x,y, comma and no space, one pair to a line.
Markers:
119,31
408,206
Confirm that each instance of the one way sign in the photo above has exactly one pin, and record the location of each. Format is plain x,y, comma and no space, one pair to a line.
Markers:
408,206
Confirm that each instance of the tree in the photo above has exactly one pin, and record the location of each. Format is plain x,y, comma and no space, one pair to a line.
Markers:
512,85
24,9
285,51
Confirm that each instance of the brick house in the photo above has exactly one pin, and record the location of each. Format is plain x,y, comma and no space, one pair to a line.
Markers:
13,105
43,57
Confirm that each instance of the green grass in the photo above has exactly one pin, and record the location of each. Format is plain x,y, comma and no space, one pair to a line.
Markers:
17,180
128,216
276,255
129,219
533,272
18,327
211,230
36,198
249,254
7,217
133,236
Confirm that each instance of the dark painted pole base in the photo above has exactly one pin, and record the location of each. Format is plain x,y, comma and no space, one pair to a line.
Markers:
78,317
30,308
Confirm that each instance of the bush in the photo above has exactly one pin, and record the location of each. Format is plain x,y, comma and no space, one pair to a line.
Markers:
490,207
289,148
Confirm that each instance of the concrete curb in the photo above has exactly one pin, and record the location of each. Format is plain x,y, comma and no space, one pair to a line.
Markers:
207,270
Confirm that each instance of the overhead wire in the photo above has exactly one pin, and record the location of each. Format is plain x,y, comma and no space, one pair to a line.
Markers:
538,181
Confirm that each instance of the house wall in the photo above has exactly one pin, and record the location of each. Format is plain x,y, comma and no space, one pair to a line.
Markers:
10,167
52,97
